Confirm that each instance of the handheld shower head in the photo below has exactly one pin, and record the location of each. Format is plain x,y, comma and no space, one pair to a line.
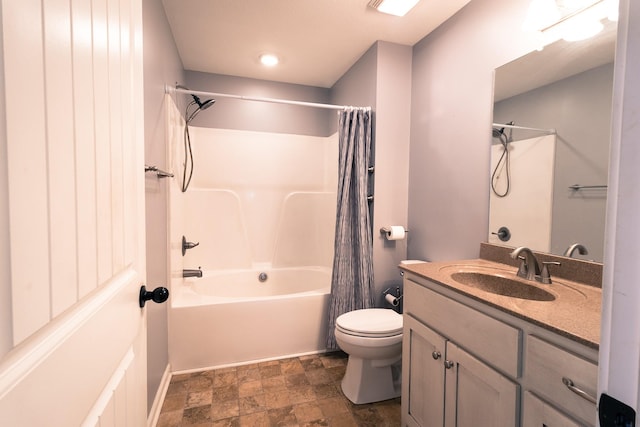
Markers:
203,105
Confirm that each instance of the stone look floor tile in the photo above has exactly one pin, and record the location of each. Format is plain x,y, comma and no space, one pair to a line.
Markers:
282,416
332,407
250,388
300,391
227,422
169,419
319,376
296,380
260,419
196,415
251,404
274,384
277,399
221,394
198,398
225,379
226,409
307,412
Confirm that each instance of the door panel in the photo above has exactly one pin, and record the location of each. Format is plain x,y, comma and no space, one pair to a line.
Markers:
423,381
74,141
476,395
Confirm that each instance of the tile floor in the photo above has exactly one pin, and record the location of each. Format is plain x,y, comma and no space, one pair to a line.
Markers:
298,391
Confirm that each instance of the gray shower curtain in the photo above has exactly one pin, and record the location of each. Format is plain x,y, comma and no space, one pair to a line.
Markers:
352,278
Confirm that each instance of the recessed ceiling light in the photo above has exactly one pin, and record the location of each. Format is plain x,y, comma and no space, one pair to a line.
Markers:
269,60
393,7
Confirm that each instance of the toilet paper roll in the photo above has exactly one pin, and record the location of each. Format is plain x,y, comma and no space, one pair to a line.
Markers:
392,300
396,232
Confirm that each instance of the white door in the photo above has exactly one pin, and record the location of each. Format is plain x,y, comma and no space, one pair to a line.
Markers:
72,336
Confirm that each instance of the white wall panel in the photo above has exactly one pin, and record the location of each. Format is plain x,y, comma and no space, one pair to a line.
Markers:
116,116
102,137
128,135
27,165
84,145
61,154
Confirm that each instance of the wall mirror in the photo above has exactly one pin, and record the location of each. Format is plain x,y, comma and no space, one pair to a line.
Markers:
549,186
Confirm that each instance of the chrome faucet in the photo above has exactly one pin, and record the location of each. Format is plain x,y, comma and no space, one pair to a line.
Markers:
192,273
582,250
529,267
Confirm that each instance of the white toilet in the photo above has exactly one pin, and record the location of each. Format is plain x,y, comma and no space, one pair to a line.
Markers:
372,338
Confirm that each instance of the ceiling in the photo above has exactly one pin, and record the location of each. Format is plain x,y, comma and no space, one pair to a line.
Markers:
555,62
316,41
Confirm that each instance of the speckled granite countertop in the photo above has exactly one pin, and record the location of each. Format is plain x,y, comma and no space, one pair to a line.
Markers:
574,313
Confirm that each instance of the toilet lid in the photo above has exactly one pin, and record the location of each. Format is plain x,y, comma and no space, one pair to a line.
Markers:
371,322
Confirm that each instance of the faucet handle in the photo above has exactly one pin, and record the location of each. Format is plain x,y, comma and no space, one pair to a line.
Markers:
545,276
523,268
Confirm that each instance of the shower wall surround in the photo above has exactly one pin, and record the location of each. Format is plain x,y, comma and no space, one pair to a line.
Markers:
526,208
259,197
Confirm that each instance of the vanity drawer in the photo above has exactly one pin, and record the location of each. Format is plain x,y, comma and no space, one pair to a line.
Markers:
536,413
546,365
485,337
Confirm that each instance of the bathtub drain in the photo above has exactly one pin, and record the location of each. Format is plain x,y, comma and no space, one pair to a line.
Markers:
263,277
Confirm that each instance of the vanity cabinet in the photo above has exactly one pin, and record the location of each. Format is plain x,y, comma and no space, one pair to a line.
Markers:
444,384
465,363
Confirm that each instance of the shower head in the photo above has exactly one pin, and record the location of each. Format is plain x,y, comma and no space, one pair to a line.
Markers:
497,133
203,105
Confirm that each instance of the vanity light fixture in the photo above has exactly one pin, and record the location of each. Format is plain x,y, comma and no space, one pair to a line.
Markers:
393,7
269,60
570,20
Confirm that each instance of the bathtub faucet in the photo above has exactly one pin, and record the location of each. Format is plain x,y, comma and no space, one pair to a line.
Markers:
192,273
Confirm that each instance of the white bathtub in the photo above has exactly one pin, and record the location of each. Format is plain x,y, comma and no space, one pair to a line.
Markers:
231,317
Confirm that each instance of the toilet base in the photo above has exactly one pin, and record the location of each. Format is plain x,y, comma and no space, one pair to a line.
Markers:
366,381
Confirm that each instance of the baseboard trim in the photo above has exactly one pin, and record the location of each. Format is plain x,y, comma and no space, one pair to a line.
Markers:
250,362
156,407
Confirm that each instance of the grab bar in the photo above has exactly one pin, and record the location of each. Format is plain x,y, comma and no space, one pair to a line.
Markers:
576,187
159,173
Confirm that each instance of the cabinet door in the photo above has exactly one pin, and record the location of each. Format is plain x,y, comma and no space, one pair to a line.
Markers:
423,353
475,394
537,413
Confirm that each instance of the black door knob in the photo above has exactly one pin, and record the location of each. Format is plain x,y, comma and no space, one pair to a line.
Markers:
158,295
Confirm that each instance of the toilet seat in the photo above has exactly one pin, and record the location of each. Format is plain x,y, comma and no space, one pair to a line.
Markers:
371,323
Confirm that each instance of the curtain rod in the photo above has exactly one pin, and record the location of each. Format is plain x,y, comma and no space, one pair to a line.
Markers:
169,89
546,131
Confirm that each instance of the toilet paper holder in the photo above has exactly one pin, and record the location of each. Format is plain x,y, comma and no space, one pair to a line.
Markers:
387,230
394,300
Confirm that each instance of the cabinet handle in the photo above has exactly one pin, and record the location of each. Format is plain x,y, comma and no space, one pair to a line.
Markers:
448,364
571,386
436,354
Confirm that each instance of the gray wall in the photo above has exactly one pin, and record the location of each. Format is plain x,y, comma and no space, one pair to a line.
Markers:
451,105
381,78
579,108
230,113
162,65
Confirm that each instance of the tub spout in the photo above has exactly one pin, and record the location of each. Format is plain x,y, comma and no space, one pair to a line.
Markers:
192,273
